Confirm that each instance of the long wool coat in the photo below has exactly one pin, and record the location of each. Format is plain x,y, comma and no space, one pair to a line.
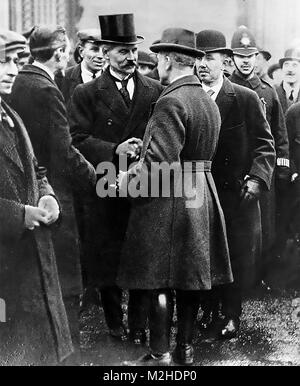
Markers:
36,331
275,118
246,147
170,243
41,106
100,121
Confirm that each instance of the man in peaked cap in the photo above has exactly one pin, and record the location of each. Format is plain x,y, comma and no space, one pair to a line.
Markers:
169,243
41,105
108,119
243,165
146,62
36,330
244,55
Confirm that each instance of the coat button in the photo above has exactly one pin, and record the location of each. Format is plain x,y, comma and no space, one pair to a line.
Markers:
226,161
109,122
226,185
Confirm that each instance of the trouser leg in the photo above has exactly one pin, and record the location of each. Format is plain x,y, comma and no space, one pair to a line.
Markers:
160,320
112,306
138,310
232,301
72,305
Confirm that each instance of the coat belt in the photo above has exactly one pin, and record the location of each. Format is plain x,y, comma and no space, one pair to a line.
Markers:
193,166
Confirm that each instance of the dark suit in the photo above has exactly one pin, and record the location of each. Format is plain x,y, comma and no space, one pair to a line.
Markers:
271,208
39,102
100,121
283,98
246,147
70,81
36,331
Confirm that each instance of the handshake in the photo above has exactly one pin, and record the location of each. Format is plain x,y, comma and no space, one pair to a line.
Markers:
132,148
46,213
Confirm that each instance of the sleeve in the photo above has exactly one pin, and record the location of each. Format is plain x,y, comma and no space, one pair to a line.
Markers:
81,115
12,216
263,148
293,127
64,156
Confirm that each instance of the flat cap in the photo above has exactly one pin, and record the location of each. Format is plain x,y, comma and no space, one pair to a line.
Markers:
45,38
10,41
146,59
89,35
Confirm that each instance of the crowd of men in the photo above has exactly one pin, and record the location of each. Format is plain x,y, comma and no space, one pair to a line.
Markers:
213,111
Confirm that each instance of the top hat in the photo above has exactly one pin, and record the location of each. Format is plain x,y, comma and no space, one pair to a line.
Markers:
45,38
146,59
212,41
89,35
10,41
243,42
119,29
266,54
290,54
178,40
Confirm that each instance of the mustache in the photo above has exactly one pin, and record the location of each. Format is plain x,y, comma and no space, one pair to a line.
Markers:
130,63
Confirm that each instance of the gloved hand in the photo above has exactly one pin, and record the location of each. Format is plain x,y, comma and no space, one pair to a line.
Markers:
49,204
251,190
34,216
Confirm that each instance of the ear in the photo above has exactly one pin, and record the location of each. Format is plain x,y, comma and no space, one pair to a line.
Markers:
105,52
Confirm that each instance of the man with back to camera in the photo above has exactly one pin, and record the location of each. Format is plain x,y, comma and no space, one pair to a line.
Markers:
242,167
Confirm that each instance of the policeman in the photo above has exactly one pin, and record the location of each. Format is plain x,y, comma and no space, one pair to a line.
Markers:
244,56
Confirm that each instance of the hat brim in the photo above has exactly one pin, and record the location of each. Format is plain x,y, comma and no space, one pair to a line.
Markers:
281,61
223,50
19,47
176,48
245,51
139,40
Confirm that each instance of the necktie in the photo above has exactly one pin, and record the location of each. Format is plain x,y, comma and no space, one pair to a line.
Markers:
94,75
210,92
291,97
6,118
124,92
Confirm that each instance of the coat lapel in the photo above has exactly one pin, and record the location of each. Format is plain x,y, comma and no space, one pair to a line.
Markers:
225,98
9,148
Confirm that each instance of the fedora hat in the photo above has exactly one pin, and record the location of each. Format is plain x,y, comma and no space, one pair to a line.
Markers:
212,41
119,29
243,42
178,40
290,54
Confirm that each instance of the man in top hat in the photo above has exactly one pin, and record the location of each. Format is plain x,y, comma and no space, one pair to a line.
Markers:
262,65
146,62
35,330
244,55
177,241
288,90
91,66
242,168
108,118
39,102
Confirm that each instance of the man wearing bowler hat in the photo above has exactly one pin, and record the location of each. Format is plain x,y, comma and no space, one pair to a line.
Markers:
242,168
108,118
244,56
35,331
176,241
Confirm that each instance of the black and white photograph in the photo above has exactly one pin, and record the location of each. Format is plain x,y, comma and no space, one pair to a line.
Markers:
149,186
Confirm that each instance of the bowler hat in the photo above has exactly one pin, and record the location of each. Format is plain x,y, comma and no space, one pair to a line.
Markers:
119,29
89,35
178,40
243,42
290,54
10,41
266,54
45,38
274,67
146,59
212,41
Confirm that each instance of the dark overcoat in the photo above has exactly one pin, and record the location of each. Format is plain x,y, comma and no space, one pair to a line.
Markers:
171,243
285,103
41,106
70,81
275,118
246,148
36,331
100,121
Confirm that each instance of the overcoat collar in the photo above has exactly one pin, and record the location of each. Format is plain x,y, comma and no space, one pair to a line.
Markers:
191,80
30,69
225,98
254,82
76,73
108,93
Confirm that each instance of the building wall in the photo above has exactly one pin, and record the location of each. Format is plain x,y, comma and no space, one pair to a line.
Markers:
4,12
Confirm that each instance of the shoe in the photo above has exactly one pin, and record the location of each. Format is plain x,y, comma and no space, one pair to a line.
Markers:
184,354
138,336
119,333
151,360
230,330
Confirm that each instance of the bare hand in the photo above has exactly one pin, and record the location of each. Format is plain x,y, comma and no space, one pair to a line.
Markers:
33,217
50,205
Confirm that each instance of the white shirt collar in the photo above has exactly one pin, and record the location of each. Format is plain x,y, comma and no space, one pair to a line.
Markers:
216,88
44,68
87,75
288,89
130,85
